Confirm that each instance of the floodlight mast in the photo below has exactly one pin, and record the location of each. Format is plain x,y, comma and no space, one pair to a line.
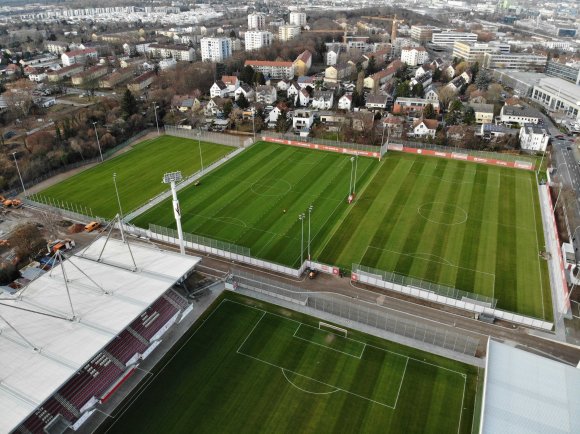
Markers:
172,178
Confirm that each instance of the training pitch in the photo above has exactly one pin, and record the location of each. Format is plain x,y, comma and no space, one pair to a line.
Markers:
139,173
468,226
252,368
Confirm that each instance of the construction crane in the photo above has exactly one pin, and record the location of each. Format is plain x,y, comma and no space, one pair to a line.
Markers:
394,20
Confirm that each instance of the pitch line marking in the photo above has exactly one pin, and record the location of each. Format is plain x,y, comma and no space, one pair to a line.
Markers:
311,379
326,346
465,216
251,331
538,247
401,383
355,340
462,401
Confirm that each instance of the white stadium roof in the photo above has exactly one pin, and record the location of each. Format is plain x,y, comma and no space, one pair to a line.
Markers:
106,296
527,393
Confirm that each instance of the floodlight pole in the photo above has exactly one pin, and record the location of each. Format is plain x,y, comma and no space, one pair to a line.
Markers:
120,209
354,178
98,141
200,155
310,208
302,216
155,107
171,178
19,175
351,173
253,123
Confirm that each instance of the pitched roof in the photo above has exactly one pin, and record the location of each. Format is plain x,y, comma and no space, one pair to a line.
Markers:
268,63
432,124
220,84
74,53
229,79
305,56
377,99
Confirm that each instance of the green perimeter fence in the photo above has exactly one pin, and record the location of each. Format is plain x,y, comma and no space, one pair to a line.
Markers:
364,273
352,311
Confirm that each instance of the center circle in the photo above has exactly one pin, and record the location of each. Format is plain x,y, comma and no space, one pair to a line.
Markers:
271,187
442,213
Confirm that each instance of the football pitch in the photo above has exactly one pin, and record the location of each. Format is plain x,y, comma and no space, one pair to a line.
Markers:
250,367
139,173
472,227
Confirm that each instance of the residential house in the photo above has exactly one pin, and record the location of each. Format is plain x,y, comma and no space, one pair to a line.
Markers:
283,85
379,78
141,82
266,94
218,89
345,102
362,120
66,72
431,94
338,72
303,63
423,69
302,121
438,63
78,56
56,47
448,71
477,97
413,105
245,90
273,69
187,104
116,78
293,90
377,102
534,138
333,50
393,126
232,83
274,115
483,113
302,99
166,64
322,100
519,115
424,80
89,74
456,84
493,132
306,81
425,128
459,134
215,106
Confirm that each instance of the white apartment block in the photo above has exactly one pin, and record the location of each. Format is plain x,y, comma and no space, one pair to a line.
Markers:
474,52
177,52
257,39
333,50
256,21
449,38
423,33
534,138
215,49
288,31
273,69
297,19
517,61
414,56
558,95
78,56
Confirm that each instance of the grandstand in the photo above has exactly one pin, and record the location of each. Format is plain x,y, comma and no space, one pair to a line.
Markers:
70,338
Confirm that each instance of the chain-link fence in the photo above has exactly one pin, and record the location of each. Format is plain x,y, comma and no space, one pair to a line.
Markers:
359,311
475,153
168,233
64,210
206,136
412,282
325,142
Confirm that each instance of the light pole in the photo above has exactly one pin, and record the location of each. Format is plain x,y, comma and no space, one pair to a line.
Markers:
155,107
254,123
199,144
172,178
19,175
301,218
98,141
310,208
383,137
354,178
351,173
120,209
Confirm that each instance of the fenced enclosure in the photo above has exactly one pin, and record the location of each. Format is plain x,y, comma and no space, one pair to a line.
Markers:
207,136
326,145
359,311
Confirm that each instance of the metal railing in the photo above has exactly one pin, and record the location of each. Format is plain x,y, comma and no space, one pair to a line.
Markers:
359,311
412,282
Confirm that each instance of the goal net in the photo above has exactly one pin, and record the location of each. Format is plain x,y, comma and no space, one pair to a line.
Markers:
332,329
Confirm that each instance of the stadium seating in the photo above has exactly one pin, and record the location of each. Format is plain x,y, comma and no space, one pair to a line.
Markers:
125,346
177,298
150,321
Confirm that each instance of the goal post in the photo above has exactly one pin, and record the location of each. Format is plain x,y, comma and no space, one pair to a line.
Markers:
324,326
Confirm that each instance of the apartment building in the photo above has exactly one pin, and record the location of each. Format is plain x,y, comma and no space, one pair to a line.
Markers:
473,52
534,138
273,69
89,74
78,56
182,53
288,32
449,38
333,50
408,105
558,95
215,49
423,34
414,56
256,21
141,82
65,72
297,19
566,72
516,61
257,39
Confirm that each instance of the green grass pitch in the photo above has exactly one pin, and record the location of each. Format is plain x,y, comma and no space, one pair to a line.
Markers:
473,227
139,174
253,368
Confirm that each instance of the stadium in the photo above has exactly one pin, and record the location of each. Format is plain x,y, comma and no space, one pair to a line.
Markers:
76,333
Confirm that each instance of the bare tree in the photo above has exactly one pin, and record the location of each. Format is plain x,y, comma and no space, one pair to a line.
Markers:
27,240
19,96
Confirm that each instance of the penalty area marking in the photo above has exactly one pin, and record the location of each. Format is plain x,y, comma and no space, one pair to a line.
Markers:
326,346
311,379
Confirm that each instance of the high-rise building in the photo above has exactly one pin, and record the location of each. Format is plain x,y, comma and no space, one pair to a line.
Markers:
288,31
473,52
414,56
569,73
257,39
449,38
215,49
517,61
423,33
256,21
297,19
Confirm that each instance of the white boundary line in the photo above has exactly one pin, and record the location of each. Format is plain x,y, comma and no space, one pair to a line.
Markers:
251,331
462,401
304,390
326,346
401,383
539,248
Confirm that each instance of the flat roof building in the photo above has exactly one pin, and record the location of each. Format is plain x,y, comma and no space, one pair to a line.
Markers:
558,95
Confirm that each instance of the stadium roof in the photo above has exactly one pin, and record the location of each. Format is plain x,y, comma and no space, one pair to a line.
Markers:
41,347
527,393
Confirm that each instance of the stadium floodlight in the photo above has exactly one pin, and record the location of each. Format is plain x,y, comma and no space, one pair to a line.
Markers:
98,141
155,107
354,178
120,209
310,208
199,145
172,178
301,217
19,175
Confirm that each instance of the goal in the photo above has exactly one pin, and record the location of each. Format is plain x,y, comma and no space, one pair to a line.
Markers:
333,329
